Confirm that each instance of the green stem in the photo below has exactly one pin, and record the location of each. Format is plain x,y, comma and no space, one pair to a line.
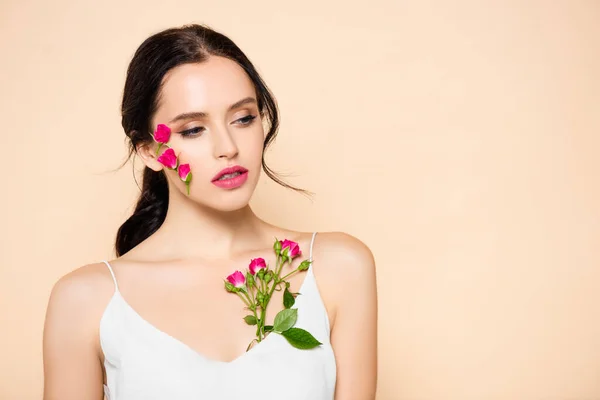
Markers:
248,302
243,299
281,264
276,279
268,298
249,299
258,323
288,275
262,286
252,300
260,320
252,293
262,323
160,146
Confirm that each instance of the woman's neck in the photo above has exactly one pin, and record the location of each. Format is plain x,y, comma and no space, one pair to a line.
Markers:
193,231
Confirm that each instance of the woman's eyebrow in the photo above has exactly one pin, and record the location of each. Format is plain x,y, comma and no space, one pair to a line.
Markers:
200,114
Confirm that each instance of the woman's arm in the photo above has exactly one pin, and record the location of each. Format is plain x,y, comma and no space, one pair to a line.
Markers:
354,332
72,369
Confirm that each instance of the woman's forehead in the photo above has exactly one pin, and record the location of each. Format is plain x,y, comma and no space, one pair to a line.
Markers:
210,87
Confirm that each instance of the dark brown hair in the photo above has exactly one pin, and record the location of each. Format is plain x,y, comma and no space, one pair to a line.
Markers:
157,55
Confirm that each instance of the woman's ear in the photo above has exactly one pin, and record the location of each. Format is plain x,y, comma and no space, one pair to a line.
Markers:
148,155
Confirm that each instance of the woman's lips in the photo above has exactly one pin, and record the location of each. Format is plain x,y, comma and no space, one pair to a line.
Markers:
240,176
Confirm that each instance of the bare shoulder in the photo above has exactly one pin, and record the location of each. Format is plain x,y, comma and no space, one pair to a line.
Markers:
80,295
343,261
82,285
349,268
71,347
344,253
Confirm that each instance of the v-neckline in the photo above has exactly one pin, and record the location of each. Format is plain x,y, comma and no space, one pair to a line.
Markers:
189,348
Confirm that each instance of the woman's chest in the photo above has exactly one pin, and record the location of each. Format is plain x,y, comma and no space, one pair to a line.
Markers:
272,370
203,316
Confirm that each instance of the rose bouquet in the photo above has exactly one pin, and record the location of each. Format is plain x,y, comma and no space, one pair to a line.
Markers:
255,288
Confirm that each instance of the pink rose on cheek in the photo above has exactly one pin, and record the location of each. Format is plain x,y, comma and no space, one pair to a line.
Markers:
256,265
293,248
185,175
184,172
237,279
162,133
168,159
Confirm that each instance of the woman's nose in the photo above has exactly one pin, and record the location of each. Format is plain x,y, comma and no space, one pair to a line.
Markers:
224,144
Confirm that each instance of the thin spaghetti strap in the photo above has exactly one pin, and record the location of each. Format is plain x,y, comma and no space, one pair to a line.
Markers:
113,274
312,241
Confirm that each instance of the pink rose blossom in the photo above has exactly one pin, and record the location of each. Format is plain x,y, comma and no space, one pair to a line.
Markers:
257,264
184,172
293,248
168,159
237,279
162,133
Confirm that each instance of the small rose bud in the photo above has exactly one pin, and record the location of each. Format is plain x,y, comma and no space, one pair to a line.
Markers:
184,173
249,280
162,133
256,265
290,249
237,279
277,247
268,276
260,298
168,159
304,265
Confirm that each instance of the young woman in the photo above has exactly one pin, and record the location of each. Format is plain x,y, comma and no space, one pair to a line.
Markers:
167,319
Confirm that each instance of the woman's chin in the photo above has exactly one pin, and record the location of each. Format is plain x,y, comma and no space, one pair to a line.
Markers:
219,199
231,206
226,202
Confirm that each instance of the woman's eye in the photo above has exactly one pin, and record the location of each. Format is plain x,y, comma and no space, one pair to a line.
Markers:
191,131
247,120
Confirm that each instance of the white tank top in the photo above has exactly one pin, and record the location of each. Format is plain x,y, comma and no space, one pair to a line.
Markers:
145,363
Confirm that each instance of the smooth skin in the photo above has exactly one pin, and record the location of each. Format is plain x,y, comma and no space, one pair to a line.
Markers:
174,279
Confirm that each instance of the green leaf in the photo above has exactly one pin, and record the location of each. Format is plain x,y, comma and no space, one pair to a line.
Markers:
250,319
268,328
288,299
285,319
300,339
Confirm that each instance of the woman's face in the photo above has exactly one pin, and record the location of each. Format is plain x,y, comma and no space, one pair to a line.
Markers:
212,110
